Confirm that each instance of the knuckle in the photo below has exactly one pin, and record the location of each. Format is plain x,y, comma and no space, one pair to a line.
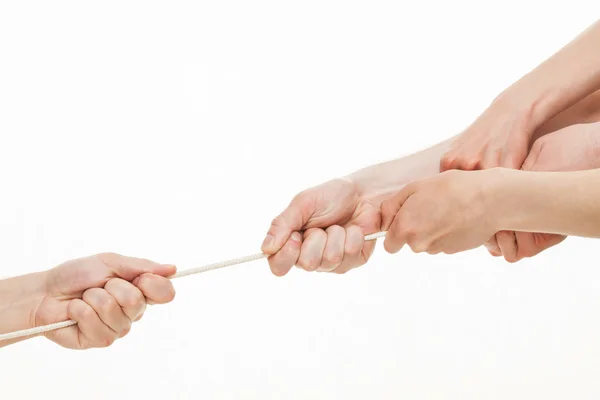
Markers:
511,258
301,197
125,331
107,341
303,263
86,313
418,247
108,257
471,163
133,299
107,305
333,258
353,249
311,264
410,233
414,186
316,234
278,221
290,249
333,229
447,161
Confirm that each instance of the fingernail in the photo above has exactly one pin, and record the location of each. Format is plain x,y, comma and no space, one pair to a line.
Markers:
268,242
170,268
296,237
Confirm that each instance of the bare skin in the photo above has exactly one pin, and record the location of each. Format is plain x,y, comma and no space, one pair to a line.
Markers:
478,203
326,224
104,294
574,148
501,136
323,227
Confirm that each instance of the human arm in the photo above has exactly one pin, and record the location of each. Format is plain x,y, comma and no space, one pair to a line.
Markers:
502,134
323,227
378,182
566,203
345,209
104,294
574,148
19,298
460,210
564,79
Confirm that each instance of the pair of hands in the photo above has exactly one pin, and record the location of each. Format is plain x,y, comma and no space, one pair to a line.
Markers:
572,148
323,227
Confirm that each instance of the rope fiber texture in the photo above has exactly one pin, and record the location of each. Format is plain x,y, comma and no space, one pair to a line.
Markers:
186,272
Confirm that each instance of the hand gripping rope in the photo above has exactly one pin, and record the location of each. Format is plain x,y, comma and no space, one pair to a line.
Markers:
180,274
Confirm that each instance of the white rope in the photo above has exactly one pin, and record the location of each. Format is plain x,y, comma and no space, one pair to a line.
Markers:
186,272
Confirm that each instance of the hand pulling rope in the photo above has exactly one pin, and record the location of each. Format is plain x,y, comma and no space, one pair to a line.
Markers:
186,272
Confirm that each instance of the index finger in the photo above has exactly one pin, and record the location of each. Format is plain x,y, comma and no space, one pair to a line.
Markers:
390,207
292,219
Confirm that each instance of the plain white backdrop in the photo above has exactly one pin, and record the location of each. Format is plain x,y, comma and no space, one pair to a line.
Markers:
176,131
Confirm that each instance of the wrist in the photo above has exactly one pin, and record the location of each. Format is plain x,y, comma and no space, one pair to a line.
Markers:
504,197
531,108
373,187
20,300
379,182
521,199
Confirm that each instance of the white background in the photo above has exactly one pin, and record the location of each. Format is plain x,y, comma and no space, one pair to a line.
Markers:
177,130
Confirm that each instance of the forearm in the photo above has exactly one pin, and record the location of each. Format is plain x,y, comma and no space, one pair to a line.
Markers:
19,299
583,112
566,203
378,182
570,75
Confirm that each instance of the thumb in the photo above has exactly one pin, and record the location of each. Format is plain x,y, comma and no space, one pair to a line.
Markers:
515,152
292,219
390,207
129,268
